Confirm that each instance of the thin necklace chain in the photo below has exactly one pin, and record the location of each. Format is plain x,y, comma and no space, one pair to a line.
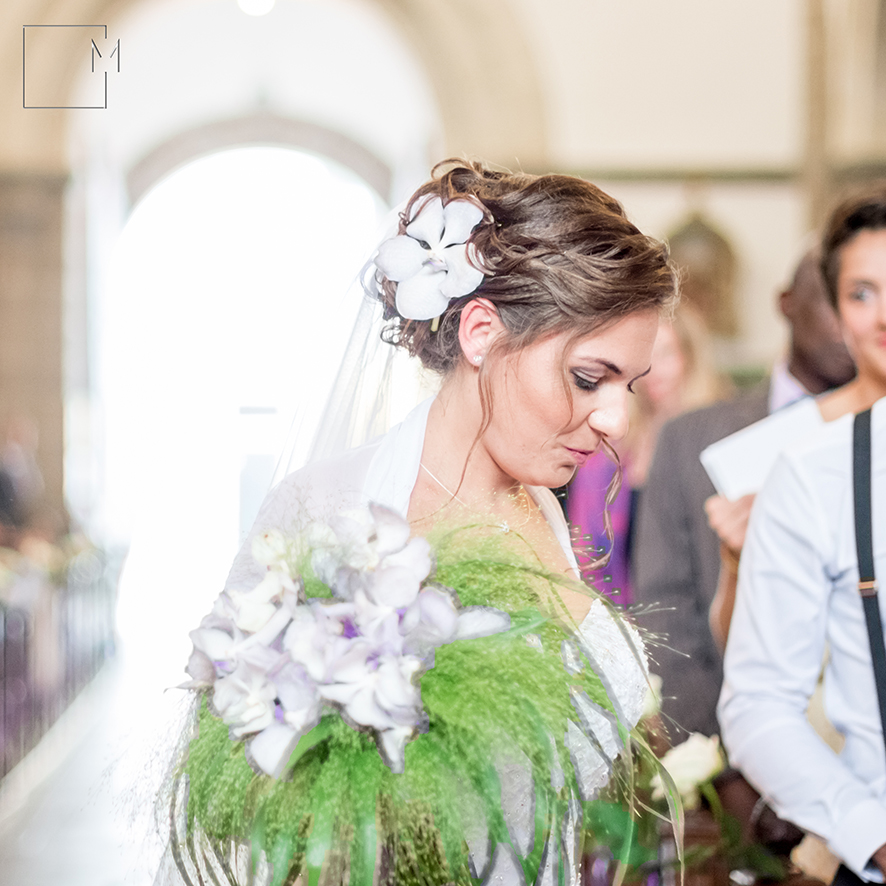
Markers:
442,485
503,525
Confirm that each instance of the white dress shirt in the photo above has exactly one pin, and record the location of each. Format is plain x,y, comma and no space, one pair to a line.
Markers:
797,593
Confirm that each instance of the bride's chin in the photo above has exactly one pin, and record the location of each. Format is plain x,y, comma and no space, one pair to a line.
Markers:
553,478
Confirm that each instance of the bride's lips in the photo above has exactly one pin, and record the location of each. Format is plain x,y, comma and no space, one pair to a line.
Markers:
580,455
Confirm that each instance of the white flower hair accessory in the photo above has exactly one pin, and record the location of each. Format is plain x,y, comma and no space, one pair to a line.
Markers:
429,263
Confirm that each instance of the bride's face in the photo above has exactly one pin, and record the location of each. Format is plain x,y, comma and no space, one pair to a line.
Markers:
536,435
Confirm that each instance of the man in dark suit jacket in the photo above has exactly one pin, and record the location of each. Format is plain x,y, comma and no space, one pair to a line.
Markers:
676,554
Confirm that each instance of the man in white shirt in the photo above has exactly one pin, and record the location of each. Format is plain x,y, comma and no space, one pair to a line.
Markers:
676,554
798,593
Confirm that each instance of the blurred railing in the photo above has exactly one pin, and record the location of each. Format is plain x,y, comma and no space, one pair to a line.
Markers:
55,634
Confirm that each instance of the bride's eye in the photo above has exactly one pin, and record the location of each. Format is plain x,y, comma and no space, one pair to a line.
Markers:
585,384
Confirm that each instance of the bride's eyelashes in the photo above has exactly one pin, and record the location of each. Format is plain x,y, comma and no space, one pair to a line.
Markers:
633,381
583,383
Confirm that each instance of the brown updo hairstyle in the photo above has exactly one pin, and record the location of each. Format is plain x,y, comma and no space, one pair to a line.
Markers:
864,209
559,254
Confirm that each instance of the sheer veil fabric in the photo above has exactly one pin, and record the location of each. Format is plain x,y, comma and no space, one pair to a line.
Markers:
356,458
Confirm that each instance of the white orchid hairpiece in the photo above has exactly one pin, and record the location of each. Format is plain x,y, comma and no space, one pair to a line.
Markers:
429,263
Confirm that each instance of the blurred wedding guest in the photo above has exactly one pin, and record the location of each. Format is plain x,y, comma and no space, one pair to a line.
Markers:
681,377
862,328
18,461
10,519
676,554
799,592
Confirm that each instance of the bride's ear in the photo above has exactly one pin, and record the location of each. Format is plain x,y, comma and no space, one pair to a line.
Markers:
479,326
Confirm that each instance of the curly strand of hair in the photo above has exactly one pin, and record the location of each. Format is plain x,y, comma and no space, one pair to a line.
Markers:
596,563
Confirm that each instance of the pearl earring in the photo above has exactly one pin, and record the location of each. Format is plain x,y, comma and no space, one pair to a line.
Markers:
478,358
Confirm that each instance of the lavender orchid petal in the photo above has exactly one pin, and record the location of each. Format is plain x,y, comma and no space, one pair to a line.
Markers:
395,586
271,749
365,710
393,747
201,670
216,645
438,611
481,621
269,632
394,687
416,557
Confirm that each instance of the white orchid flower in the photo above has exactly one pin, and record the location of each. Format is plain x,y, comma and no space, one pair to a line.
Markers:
256,607
271,549
430,262
245,700
381,697
215,644
346,547
391,530
315,638
378,624
299,712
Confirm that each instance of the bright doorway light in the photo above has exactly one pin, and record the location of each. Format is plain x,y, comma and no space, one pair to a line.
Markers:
227,313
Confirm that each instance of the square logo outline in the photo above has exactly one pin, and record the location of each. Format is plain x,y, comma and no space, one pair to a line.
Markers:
104,106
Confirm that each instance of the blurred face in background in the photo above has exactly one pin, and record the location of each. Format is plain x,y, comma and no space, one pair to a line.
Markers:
662,388
861,302
819,357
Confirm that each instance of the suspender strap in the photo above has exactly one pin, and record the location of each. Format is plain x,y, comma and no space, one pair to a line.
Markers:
867,583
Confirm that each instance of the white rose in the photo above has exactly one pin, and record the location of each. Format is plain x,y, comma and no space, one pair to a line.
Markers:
690,764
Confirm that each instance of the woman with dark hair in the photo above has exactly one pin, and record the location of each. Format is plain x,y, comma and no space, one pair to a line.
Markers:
853,262
538,303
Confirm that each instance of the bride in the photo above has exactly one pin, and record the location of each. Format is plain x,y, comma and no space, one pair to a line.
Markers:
538,302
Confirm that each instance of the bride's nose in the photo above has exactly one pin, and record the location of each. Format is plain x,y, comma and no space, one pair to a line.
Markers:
610,415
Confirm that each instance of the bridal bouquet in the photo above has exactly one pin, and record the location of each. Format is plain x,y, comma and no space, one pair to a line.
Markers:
276,660
378,711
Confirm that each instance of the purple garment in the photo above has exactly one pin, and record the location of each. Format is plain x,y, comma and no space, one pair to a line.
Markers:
584,506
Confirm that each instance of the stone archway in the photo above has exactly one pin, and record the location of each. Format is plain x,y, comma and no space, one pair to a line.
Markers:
266,129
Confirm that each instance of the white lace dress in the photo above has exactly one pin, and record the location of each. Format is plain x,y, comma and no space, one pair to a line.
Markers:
385,472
